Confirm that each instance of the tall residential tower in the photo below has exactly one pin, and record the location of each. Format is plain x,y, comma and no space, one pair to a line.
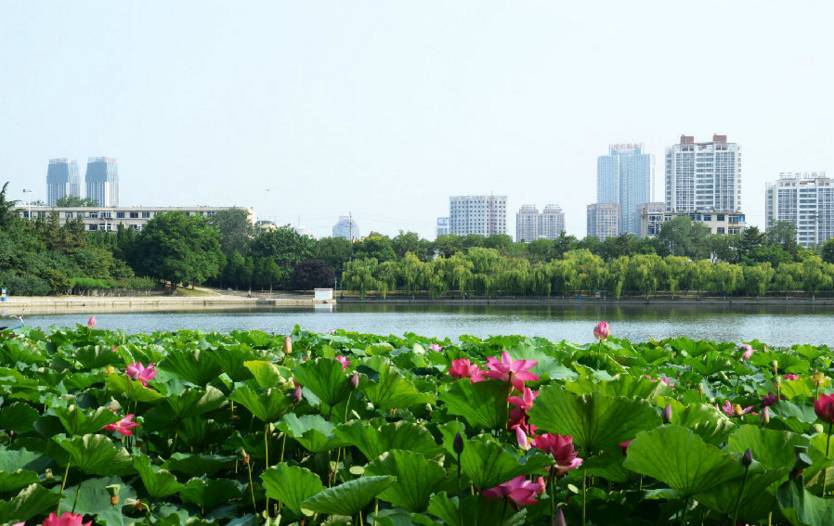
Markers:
704,176
484,215
61,180
807,201
102,179
527,223
626,177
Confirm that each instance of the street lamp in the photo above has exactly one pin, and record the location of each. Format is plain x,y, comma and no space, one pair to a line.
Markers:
28,203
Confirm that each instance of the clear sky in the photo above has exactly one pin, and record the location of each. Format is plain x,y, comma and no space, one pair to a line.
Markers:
306,110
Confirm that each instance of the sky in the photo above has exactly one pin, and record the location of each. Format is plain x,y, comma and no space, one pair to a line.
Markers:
308,110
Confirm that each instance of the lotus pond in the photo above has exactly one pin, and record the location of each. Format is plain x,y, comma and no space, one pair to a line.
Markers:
253,428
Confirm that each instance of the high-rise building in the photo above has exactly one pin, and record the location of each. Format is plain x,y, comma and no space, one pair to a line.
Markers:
603,220
484,215
442,226
626,176
61,180
102,180
527,223
807,201
704,176
551,222
346,228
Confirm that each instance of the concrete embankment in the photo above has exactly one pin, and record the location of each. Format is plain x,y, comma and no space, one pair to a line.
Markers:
29,305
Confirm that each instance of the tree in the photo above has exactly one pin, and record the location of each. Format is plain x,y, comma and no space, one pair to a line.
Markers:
406,242
238,271
828,251
682,237
283,245
76,201
411,270
783,233
179,248
816,274
7,214
335,251
236,231
758,278
312,273
375,246
359,274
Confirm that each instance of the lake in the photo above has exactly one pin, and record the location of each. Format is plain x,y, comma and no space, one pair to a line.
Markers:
776,325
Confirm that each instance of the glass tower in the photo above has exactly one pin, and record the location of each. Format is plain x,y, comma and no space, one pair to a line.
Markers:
626,176
61,180
102,179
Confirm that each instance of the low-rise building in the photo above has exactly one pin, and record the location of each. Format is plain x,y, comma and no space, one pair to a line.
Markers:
442,226
651,221
109,218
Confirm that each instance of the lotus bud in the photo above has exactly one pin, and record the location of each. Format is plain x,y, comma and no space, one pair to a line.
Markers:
457,444
818,378
765,415
354,380
297,393
737,409
245,456
559,518
775,365
667,414
777,382
47,474
113,490
747,458
287,344
109,369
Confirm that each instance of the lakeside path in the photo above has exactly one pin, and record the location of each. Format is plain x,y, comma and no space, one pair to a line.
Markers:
29,305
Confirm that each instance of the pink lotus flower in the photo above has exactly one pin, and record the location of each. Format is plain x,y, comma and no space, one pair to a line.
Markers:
735,410
508,370
435,347
66,519
463,368
137,371
668,381
769,400
748,351
561,447
602,331
124,426
791,376
91,322
520,491
343,360
624,445
522,438
824,407
525,401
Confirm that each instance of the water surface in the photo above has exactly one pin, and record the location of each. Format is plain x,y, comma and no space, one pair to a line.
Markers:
777,325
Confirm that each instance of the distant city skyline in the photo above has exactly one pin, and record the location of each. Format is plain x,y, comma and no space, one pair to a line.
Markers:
308,111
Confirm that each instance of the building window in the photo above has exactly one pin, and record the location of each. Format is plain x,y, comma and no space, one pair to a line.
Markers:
120,215
93,227
134,215
146,215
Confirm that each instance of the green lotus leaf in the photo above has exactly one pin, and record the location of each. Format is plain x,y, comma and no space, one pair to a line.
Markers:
18,417
158,482
77,421
483,404
680,459
313,432
11,481
196,401
267,406
195,465
348,498
803,508
474,510
231,359
391,389
705,420
487,463
290,485
373,440
325,378
773,449
417,478
756,501
94,499
210,493
20,350
132,389
193,366
266,373
31,501
95,454
596,422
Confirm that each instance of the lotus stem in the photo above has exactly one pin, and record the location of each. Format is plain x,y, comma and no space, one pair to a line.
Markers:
584,500
64,482
266,461
685,508
75,500
741,493
251,487
827,446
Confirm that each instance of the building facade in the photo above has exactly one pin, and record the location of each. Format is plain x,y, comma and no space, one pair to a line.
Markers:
346,228
483,215
603,220
651,218
717,222
807,201
108,219
551,222
102,181
527,224
61,180
626,176
442,226
703,176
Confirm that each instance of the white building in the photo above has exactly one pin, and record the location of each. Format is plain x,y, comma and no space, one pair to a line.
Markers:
527,224
61,180
346,228
603,220
483,215
442,226
807,201
653,217
109,218
703,176
626,176
551,222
